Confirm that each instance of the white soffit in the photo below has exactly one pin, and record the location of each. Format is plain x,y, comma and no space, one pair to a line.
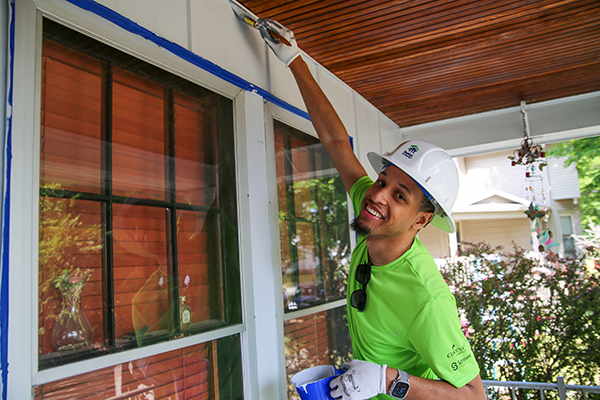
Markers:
551,121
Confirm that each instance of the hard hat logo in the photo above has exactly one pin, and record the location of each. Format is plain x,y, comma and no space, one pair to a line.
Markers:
432,169
410,152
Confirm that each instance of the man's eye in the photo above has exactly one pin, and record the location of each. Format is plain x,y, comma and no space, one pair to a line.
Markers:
400,196
381,183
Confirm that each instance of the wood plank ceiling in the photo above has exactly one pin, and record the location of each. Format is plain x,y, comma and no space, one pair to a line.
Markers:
427,60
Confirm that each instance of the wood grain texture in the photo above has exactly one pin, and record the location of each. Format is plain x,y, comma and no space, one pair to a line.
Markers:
423,61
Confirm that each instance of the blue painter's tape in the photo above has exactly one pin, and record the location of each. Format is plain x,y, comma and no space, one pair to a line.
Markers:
183,53
4,283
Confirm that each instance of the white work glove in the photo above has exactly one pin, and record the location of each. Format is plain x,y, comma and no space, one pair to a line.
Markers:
361,381
285,53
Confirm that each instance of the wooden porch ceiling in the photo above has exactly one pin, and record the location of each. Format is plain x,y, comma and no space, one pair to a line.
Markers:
423,61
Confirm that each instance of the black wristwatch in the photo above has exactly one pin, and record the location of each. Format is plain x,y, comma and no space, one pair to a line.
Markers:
400,386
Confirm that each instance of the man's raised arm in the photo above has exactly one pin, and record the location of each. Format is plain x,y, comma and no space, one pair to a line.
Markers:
327,123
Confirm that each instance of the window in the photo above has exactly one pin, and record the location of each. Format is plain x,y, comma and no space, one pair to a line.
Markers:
568,241
138,216
315,252
313,216
188,373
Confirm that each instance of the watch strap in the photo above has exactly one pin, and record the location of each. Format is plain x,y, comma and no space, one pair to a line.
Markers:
404,380
402,376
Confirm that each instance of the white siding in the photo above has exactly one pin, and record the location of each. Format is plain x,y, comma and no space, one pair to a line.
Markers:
499,232
564,183
568,207
494,171
367,125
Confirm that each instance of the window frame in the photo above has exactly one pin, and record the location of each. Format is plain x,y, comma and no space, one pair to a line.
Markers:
305,126
24,215
113,62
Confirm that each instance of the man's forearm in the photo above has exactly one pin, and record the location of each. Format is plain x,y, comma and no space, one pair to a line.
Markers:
326,121
427,389
327,124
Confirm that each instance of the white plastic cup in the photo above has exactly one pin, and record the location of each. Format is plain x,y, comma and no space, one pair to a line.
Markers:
313,383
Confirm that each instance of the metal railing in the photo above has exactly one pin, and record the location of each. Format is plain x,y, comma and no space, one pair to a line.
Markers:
559,386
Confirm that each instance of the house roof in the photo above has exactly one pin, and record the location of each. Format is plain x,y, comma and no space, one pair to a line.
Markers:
488,204
424,61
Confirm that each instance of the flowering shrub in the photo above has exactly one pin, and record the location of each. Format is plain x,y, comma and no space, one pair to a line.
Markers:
529,317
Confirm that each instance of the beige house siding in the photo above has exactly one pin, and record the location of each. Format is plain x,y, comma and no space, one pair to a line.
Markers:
435,241
498,232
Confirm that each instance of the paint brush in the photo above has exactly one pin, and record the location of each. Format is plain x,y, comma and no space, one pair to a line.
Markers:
251,19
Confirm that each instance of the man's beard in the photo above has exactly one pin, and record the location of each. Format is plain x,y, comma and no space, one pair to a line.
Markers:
359,228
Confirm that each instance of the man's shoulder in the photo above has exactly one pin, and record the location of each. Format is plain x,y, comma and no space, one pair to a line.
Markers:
425,268
420,256
359,187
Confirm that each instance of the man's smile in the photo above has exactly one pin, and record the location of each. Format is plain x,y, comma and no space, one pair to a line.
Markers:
372,211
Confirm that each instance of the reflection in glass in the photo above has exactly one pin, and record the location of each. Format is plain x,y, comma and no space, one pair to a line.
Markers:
313,221
198,253
71,151
138,137
70,264
141,278
317,339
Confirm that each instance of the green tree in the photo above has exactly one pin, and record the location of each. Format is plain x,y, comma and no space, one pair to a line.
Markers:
529,319
586,154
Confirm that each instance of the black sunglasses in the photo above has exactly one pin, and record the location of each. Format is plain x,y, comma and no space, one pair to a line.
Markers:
358,299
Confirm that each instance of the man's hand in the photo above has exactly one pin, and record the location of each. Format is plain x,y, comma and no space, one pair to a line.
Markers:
285,53
361,381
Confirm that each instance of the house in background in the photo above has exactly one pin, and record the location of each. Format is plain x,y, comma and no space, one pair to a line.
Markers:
494,196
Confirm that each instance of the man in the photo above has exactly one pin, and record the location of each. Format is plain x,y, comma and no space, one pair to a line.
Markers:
406,335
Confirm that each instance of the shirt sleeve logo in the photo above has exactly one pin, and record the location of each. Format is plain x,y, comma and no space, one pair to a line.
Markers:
460,352
456,350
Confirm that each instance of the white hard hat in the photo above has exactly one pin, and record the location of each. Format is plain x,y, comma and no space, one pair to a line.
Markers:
432,169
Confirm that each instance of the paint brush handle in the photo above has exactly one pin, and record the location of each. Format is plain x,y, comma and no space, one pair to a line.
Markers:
279,38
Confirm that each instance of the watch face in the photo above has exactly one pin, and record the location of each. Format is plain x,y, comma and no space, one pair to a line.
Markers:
400,390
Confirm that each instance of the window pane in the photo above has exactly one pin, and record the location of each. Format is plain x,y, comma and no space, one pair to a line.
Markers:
199,258
316,339
313,216
138,137
204,371
70,242
566,225
569,244
71,120
196,172
141,273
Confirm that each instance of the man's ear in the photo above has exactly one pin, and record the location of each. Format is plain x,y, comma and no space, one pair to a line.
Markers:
422,219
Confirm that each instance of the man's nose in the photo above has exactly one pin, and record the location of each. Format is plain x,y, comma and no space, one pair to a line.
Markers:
380,195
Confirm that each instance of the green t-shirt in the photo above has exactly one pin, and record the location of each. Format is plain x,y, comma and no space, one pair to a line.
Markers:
410,320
